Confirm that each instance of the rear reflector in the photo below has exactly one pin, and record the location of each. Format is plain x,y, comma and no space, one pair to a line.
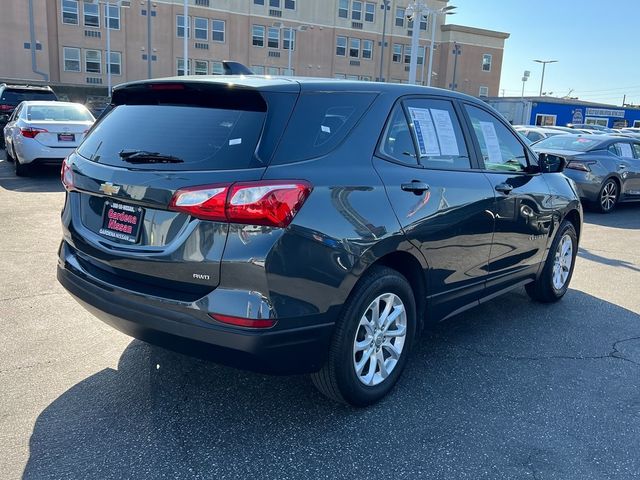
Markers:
270,203
243,322
31,132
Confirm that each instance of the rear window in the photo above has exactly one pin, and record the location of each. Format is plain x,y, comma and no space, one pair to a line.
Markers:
203,138
320,122
569,142
14,97
59,113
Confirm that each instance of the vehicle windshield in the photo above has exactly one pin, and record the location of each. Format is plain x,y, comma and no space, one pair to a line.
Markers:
59,113
569,142
14,97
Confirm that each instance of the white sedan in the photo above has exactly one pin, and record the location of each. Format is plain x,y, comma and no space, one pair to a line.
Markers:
44,133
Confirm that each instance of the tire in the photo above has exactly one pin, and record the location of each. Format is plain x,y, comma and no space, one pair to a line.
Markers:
21,169
608,196
556,274
338,379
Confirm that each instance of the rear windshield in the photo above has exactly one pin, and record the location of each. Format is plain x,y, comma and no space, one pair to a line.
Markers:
569,142
14,97
59,113
202,138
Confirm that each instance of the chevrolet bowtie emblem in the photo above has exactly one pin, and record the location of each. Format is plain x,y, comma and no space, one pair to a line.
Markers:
109,188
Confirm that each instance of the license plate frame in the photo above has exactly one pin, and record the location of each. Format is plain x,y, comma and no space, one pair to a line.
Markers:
121,221
66,137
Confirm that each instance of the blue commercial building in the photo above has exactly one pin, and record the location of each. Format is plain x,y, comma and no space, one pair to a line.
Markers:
561,111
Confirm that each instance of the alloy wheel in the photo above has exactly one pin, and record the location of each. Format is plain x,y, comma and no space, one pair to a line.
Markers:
380,339
562,262
609,195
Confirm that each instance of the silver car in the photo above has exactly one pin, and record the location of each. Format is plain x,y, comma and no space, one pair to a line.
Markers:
41,133
605,168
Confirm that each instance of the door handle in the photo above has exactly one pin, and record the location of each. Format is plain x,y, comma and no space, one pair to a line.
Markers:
415,186
504,188
622,166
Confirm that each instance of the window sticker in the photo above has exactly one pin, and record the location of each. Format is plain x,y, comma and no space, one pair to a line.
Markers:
425,131
446,134
235,141
625,150
491,141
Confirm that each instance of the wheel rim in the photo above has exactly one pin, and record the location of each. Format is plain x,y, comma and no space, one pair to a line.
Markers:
379,340
562,262
608,196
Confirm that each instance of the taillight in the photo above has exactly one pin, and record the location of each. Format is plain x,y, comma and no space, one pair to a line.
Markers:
66,175
31,132
243,322
270,203
166,86
577,165
5,108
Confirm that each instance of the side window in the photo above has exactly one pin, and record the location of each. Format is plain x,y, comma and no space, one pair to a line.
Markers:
636,150
534,136
613,149
624,150
501,149
16,113
397,142
438,134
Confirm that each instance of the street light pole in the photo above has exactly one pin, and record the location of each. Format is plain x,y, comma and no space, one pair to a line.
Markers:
431,46
544,64
108,21
385,6
290,45
185,19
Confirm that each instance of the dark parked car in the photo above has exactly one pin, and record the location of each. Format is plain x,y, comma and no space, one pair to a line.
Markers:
307,226
12,95
606,169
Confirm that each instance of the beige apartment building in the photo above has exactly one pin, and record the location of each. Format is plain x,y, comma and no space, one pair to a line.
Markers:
63,42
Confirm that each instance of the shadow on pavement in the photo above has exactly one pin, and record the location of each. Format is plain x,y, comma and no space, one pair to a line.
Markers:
511,389
626,215
41,179
587,255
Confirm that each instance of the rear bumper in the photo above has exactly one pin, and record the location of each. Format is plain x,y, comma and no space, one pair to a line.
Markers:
32,152
587,185
284,349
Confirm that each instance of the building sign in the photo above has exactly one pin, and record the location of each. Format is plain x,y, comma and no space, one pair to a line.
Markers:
605,112
577,117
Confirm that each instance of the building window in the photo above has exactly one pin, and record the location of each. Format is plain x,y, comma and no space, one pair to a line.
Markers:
341,46
341,76
423,22
352,77
354,47
70,12
421,55
257,36
257,69
343,9
407,54
113,17
273,40
93,61
180,66
217,68
356,10
201,28
116,63
486,62
285,40
400,17
71,59
201,67
258,2
397,53
91,15
217,30
483,92
367,49
274,4
290,4
369,12
180,26
273,71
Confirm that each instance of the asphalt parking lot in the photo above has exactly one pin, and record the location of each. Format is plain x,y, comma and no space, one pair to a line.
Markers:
509,390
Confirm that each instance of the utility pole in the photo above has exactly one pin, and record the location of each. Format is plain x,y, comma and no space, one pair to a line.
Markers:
385,7
186,39
624,99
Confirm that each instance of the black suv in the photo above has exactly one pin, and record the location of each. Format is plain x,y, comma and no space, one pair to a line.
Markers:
12,95
307,226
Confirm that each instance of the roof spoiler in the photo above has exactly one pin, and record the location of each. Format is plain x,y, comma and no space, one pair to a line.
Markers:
235,68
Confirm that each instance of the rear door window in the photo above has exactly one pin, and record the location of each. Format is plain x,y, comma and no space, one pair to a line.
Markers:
200,138
320,122
14,97
397,143
501,150
624,150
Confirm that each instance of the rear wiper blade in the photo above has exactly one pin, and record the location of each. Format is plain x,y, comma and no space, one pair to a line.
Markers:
144,156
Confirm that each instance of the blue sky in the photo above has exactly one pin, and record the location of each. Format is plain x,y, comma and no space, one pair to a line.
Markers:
595,42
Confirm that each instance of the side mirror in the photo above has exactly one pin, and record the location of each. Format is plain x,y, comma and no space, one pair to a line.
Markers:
550,163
